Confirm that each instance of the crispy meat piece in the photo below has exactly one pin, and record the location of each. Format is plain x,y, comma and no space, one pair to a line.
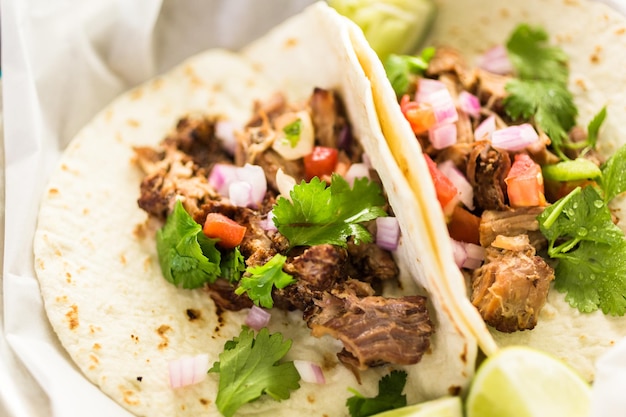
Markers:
512,222
491,89
271,161
223,294
370,263
511,287
486,170
449,60
318,269
374,330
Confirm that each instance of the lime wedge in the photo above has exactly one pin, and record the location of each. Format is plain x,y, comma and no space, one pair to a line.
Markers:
522,382
390,26
441,407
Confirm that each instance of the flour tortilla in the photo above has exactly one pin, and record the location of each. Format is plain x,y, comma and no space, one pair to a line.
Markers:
95,257
594,37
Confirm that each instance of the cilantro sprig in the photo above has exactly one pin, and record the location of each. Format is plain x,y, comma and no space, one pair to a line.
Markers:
389,396
319,214
589,247
187,257
541,91
401,69
249,367
260,280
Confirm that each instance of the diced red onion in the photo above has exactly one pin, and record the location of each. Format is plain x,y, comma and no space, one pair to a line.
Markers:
257,318
443,106
469,103
387,233
225,132
459,252
188,370
475,255
255,176
310,371
485,129
267,224
344,141
514,138
427,86
365,158
464,188
467,255
240,193
442,136
221,176
359,170
496,60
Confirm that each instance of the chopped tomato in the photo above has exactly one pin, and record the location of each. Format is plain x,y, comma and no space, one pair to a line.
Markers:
447,193
421,116
555,190
322,161
229,232
525,183
464,226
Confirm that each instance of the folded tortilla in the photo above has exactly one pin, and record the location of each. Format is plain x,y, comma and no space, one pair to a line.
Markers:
593,36
95,255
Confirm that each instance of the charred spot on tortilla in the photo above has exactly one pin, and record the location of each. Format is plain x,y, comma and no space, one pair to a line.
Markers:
161,331
193,314
72,317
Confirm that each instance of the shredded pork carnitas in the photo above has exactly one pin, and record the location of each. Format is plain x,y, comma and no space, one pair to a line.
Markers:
336,288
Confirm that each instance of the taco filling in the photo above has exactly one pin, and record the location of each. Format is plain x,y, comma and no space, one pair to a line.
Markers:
290,192
524,192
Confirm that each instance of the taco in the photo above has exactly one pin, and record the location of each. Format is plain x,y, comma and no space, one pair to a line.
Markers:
508,132
101,266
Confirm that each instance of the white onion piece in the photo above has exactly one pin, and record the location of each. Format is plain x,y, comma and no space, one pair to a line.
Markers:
257,318
469,103
496,60
465,191
514,138
359,170
442,136
306,140
240,193
221,176
427,86
285,183
188,370
225,132
310,371
387,233
255,176
486,128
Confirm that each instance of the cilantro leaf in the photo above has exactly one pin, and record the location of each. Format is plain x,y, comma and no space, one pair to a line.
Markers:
590,249
249,368
541,91
261,279
534,58
613,179
187,257
233,265
550,104
292,132
319,214
594,276
582,215
593,128
389,396
401,68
